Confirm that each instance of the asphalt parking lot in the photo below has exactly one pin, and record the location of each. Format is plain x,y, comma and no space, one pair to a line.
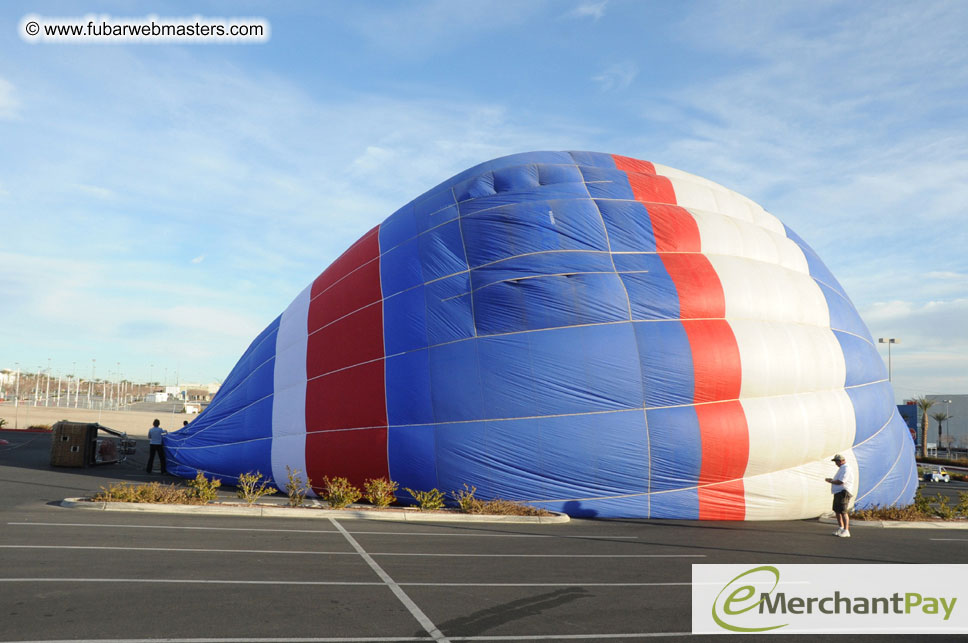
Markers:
74,575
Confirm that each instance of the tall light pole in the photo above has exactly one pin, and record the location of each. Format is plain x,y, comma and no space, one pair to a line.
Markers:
888,341
16,400
90,385
948,423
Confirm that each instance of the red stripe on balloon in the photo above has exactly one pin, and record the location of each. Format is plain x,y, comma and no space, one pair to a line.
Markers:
346,415
647,186
725,451
697,284
675,230
717,369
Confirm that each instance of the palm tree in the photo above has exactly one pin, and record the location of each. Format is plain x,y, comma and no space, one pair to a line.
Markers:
940,416
924,404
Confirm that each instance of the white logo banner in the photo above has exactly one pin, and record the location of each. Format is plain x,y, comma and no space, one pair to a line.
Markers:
793,599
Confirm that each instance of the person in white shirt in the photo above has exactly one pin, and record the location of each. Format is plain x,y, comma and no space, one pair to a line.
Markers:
155,439
839,486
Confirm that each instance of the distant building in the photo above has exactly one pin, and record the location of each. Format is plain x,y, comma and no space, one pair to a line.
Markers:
909,413
156,397
954,429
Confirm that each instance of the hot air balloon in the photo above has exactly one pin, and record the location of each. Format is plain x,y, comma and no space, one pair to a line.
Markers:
585,332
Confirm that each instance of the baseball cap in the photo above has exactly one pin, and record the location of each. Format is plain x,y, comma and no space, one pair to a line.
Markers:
837,458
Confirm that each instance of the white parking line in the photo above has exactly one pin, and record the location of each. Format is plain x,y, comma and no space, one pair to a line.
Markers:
185,581
186,550
387,639
417,613
318,531
209,581
343,553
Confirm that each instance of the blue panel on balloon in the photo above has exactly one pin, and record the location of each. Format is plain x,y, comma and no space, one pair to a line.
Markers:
606,183
666,363
408,388
536,226
585,369
843,315
873,409
593,159
677,505
508,393
864,364
449,315
400,268
455,382
399,227
675,447
409,305
442,251
651,291
461,455
629,226
412,456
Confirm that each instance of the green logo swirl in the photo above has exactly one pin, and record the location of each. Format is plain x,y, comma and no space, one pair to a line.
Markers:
742,594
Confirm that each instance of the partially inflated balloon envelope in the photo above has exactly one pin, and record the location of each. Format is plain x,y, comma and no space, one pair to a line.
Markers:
584,332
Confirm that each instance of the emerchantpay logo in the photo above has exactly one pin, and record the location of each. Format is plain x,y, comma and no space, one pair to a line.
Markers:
794,599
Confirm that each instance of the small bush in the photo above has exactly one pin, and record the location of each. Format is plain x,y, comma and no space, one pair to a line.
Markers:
921,504
3,423
204,489
466,501
339,493
251,487
943,510
380,491
511,508
150,492
297,487
428,500
962,507
907,513
39,427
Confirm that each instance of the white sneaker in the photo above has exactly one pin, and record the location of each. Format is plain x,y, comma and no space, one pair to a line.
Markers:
844,533
839,531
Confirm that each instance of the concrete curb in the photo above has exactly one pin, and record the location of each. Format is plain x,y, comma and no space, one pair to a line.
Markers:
898,524
272,511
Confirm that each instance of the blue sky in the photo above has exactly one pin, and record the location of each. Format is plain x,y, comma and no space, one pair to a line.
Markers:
161,203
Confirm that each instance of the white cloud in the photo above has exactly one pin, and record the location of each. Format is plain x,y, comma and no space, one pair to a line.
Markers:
9,105
198,259
617,76
594,10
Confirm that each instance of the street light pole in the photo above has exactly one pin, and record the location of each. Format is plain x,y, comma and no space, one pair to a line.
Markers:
16,400
948,423
888,341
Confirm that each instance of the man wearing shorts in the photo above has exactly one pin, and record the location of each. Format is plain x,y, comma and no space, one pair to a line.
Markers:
839,485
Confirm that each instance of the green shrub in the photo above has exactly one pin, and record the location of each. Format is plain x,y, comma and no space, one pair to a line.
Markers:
943,510
380,491
339,493
962,507
251,487
3,423
428,500
921,504
297,487
204,489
